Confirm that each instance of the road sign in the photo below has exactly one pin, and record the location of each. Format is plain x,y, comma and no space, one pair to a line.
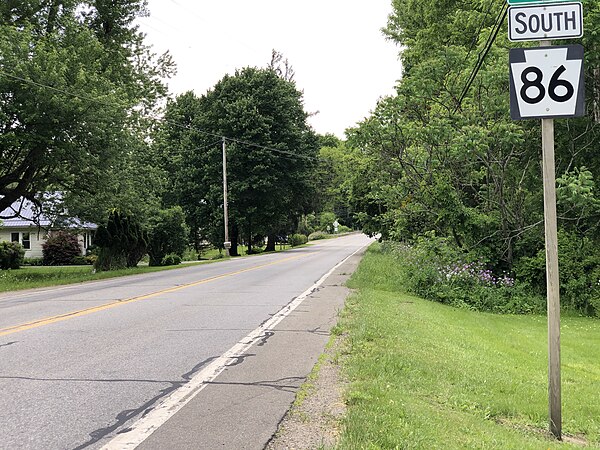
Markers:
546,82
539,22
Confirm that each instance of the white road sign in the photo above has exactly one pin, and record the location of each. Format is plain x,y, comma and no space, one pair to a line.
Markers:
537,22
546,82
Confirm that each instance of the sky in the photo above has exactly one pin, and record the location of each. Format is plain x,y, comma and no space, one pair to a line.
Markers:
342,62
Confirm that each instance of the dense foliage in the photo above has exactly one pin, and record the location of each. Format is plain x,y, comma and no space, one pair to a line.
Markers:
61,248
433,268
168,236
11,255
122,242
75,81
271,152
464,170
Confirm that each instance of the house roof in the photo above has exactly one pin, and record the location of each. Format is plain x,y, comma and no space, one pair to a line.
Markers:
24,213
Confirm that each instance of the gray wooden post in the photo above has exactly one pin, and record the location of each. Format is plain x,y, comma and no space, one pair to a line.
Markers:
552,276
225,213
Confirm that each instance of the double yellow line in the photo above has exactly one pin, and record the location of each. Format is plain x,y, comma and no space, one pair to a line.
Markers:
114,304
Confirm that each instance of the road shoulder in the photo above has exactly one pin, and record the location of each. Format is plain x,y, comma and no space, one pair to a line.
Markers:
244,406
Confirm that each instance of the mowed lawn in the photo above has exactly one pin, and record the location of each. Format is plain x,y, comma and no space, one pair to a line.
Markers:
41,276
424,375
28,277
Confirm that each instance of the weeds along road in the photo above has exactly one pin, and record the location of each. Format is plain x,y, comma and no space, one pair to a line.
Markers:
108,363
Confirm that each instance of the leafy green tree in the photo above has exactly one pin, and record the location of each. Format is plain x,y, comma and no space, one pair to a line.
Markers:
442,158
122,242
168,235
75,80
271,152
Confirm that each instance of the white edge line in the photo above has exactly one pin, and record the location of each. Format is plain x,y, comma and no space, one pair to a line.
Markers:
149,423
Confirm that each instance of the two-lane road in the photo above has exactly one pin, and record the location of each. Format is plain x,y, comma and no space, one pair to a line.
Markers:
82,364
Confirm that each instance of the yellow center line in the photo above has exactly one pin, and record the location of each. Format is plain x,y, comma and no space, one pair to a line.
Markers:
113,304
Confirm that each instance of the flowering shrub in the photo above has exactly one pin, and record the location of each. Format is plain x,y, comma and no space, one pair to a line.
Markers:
436,270
477,273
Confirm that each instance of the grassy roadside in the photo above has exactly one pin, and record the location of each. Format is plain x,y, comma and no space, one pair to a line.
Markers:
424,375
46,276
37,277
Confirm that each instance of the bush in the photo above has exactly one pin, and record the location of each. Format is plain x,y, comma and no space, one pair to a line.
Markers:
579,270
33,261
172,259
435,269
168,235
11,255
317,235
60,249
344,229
190,255
298,239
121,243
80,260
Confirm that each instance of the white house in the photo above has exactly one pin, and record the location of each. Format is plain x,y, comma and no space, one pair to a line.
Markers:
25,223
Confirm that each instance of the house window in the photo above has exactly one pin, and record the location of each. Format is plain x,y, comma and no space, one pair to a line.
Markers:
23,238
26,241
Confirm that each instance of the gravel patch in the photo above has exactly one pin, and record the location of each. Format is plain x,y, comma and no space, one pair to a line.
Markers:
314,420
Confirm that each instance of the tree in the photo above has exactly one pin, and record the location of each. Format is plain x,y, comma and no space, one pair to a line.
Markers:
122,242
271,152
168,235
334,178
281,66
75,79
448,160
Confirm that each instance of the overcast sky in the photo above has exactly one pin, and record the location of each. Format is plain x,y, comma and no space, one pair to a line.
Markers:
342,61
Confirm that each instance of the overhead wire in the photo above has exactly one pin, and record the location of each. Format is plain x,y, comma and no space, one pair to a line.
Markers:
157,117
481,57
55,89
477,34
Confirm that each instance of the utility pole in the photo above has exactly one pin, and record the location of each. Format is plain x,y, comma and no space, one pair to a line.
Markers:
227,243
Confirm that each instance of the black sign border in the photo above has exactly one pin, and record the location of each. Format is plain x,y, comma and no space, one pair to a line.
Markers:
517,55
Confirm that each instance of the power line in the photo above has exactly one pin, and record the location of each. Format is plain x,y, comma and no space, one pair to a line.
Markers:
158,118
477,34
481,57
55,89
238,141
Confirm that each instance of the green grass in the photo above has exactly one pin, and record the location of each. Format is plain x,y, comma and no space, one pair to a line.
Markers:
242,251
424,375
36,277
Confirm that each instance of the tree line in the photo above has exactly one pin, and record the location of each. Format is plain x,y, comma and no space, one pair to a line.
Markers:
436,160
85,111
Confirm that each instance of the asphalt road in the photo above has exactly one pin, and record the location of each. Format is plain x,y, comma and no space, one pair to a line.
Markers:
201,357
